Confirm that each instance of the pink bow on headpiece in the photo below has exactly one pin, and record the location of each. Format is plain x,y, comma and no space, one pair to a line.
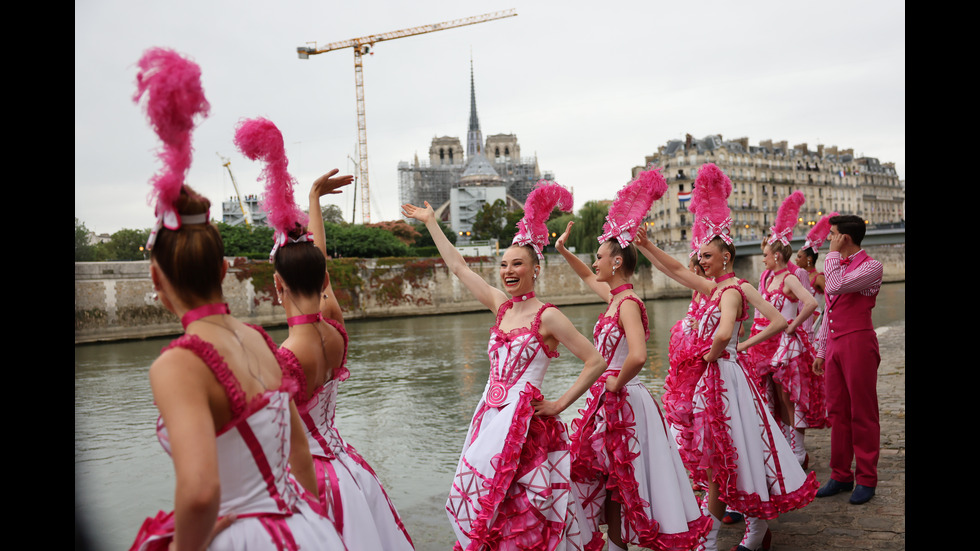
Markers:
280,239
622,234
816,236
781,236
526,239
721,229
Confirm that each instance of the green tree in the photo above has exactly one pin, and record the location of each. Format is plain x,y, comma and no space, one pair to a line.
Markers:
332,214
425,238
588,226
125,244
490,221
83,250
357,240
241,240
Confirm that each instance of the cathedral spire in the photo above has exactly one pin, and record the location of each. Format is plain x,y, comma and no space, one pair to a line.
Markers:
474,138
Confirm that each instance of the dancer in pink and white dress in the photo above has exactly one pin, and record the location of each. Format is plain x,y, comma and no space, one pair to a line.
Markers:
226,417
512,488
315,351
625,460
806,258
734,444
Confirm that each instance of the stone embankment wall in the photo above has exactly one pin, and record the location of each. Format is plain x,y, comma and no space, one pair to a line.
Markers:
115,300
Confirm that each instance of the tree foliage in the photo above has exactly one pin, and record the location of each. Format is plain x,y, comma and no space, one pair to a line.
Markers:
490,222
125,244
357,240
84,252
241,240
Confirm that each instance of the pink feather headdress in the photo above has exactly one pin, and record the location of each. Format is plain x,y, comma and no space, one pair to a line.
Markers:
174,98
631,205
260,139
709,203
819,232
782,230
531,230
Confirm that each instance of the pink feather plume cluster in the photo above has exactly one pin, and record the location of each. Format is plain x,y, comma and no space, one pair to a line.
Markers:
788,211
260,139
174,99
537,208
633,202
819,232
710,196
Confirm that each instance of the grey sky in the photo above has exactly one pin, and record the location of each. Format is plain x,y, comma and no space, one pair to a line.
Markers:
589,88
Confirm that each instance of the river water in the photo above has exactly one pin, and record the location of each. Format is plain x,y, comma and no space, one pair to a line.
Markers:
413,387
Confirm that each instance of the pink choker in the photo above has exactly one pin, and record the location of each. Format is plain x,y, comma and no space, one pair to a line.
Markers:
621,288
522,298
729,275
786,269
215,309
304,319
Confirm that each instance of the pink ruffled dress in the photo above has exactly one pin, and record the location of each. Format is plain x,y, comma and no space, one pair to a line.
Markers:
679,383
253,466
350,491
789,363
621,446
513,488
735,436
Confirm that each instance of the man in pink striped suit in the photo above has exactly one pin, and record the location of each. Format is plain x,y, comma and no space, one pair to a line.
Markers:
849,354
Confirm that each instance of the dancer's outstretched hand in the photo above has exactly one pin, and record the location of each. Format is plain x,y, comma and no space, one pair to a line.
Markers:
328,185
421,214
545,408
641,237
560,242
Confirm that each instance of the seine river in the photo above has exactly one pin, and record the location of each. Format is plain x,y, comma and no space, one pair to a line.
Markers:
413,387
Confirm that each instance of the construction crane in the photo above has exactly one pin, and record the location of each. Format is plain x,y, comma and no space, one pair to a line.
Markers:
246,213
363,46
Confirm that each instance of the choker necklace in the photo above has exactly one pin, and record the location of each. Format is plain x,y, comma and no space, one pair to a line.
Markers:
522,298
304,319
786,269
729,275
215,309
621,288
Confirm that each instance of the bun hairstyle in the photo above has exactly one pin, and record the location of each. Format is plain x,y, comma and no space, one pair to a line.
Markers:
183,243
192,257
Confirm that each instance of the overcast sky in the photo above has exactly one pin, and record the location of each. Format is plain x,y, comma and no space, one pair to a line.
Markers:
590,88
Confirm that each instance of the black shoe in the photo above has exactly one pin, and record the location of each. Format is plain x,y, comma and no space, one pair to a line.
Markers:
862,494
731,517
833,487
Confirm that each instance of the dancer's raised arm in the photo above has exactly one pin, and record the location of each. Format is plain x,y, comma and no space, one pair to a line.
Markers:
488,295
671,267
581,268
326,185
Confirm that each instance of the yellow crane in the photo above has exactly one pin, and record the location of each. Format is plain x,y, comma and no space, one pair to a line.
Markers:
246,213
363,46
